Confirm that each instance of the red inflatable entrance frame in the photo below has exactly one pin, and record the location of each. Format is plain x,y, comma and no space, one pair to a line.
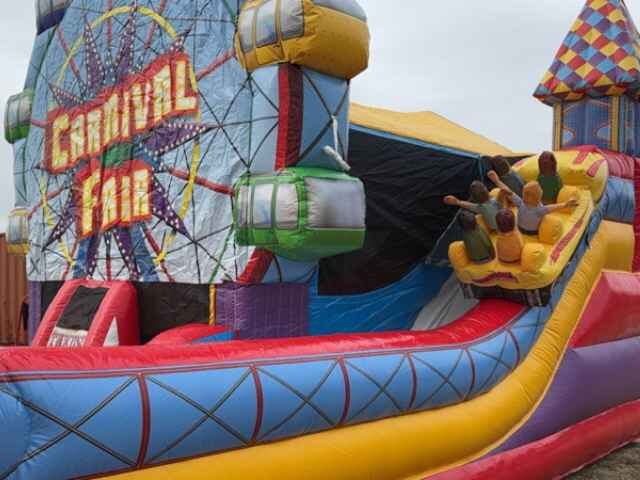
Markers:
119,303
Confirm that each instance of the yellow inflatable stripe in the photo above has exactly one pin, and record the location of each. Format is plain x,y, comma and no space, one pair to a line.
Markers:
415,446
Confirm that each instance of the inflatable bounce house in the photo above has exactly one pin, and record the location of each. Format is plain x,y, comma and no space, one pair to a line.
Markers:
235,273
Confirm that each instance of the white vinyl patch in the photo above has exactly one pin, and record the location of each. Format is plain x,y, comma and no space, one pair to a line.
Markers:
113,339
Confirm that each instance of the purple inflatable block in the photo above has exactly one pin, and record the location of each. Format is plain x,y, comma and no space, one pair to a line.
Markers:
264,311
590,381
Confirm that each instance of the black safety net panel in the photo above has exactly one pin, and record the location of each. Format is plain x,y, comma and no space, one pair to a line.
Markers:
405,185
47,293
164,306
79,312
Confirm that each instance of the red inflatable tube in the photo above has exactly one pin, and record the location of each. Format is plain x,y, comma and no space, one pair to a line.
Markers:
187,334
561,454
54,312
613,311
119,303
485,319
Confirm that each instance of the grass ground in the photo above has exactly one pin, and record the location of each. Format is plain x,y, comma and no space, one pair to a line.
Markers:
621,465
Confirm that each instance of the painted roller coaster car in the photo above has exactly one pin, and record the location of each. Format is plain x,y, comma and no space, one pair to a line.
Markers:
128,409
585,176
543,258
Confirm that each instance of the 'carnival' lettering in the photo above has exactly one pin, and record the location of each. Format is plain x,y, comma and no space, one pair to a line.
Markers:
141,102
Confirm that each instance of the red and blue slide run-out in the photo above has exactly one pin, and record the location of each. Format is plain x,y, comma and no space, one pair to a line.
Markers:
227,261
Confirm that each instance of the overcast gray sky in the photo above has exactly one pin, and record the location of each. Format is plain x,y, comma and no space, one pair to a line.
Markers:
477,63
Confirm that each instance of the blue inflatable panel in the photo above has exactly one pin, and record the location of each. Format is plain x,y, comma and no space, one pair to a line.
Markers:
179,404
288,271
264,119
587,122
221,337
96,422
619,200
325,98
392,308
286,415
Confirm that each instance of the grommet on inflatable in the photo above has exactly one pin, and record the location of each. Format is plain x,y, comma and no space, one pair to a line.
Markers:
234,272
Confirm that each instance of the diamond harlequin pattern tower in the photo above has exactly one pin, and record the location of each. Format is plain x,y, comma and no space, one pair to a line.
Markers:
599,57
594,81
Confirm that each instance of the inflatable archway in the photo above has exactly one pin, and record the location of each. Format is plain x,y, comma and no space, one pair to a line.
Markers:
235,273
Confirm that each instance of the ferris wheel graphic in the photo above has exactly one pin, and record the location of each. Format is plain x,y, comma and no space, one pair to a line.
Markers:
102,217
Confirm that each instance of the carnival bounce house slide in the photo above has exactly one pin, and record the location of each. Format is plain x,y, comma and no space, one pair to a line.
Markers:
235,273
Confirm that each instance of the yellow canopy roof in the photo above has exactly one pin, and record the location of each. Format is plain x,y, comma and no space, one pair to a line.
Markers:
426,127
